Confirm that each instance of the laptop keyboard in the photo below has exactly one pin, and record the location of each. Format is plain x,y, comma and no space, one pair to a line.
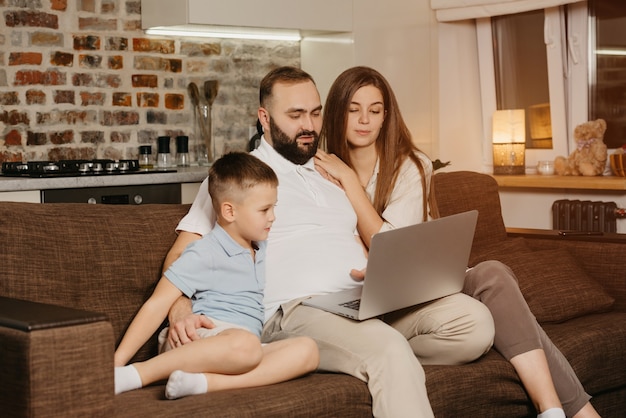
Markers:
353,304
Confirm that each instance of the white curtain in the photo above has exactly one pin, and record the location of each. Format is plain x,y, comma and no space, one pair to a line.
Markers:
451,10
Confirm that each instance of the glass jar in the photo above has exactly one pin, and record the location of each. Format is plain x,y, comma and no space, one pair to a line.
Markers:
145,157
545,168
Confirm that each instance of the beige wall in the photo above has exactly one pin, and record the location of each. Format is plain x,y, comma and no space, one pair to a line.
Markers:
399,39
460,114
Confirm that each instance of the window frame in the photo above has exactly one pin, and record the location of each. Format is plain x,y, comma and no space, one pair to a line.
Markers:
579,53
557,53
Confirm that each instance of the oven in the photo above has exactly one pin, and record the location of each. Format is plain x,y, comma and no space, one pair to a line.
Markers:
112,195
116,195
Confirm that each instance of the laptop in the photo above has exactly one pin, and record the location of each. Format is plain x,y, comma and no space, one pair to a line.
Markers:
407,266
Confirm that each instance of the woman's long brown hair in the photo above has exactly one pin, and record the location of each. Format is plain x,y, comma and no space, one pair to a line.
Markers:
393,144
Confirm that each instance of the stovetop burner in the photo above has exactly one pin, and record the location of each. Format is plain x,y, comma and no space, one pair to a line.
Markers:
74,168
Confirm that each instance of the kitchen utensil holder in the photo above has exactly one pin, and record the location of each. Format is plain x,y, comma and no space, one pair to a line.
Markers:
203,144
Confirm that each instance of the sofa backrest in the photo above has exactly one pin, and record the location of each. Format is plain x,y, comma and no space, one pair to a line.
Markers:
107,258
103,258
460,191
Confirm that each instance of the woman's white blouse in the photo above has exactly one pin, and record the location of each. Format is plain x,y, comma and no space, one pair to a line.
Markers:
406,202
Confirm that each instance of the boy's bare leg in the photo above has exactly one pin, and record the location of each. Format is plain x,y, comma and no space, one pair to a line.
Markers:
282,360
233,351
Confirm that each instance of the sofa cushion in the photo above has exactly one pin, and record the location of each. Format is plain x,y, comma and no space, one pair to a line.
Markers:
314,395
554,285
488,384
594,346
460,191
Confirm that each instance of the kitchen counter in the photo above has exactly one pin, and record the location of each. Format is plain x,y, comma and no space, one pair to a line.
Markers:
182,175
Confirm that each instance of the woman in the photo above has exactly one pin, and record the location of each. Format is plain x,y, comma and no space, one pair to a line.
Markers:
372,157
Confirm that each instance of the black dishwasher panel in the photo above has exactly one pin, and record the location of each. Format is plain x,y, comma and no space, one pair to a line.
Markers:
116,195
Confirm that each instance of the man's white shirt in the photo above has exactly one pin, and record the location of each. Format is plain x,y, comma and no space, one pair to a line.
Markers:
312,245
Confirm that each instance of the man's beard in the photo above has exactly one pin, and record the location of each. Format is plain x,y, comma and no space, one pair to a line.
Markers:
289,148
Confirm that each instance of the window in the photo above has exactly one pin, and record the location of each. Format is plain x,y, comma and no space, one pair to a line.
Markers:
521,72
607,68
566,64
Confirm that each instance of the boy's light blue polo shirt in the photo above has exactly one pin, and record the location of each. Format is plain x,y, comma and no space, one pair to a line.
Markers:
222,279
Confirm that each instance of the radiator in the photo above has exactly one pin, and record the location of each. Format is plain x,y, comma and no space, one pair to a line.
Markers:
585,216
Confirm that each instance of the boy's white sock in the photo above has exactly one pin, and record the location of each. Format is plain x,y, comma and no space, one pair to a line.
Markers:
184,384
552,413
126,378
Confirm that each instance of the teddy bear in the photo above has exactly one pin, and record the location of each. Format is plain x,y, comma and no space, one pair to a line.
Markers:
589,157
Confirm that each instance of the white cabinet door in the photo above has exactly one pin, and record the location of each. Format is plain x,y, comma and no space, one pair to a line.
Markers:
188,192
32,196
319,15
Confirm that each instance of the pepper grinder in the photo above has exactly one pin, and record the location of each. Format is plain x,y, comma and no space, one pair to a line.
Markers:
164,159
182,151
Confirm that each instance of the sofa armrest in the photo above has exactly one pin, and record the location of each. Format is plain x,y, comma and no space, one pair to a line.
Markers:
601,256
54,361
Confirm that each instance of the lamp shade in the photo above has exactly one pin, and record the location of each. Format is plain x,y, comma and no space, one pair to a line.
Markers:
509,141
509,126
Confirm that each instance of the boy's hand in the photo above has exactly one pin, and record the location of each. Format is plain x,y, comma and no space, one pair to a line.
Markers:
183,331
357,275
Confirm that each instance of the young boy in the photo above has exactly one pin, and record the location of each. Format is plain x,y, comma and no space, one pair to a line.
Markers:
223,273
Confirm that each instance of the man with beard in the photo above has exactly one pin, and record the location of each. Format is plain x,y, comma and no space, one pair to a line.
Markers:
312,249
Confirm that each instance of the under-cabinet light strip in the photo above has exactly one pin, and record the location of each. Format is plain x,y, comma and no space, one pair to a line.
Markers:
271,35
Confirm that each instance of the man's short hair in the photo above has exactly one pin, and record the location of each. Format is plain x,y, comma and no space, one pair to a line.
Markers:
234,173
288,75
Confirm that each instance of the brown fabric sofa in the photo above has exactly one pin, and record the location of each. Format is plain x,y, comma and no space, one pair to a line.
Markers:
72,276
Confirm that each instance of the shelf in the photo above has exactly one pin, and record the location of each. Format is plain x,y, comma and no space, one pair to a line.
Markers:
530,181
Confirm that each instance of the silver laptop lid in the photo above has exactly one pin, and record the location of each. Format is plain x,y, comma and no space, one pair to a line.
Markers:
417,263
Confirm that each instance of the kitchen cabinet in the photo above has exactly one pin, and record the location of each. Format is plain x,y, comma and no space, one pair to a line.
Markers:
32,196
188,192
317,16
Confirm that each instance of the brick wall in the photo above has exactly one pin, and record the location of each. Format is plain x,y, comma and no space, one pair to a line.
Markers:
79,79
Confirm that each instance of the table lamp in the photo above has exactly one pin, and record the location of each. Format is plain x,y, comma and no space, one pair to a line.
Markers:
509,141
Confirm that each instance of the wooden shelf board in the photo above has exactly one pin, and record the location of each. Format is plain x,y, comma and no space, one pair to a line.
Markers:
535,181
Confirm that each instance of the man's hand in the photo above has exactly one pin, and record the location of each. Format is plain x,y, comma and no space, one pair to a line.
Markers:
183,323
183,331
